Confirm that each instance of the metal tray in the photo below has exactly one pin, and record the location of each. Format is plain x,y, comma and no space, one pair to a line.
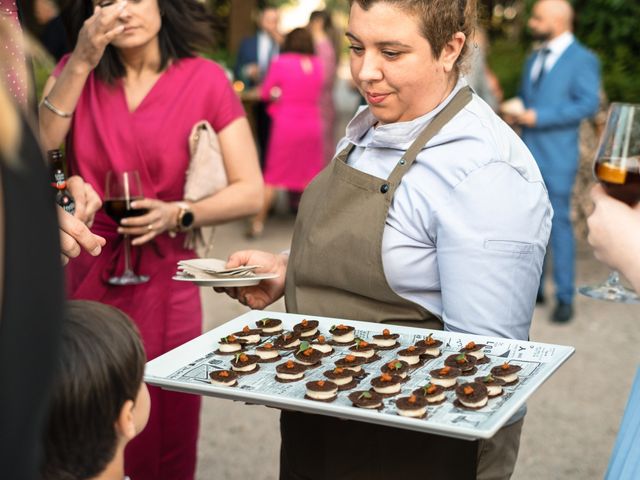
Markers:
186,369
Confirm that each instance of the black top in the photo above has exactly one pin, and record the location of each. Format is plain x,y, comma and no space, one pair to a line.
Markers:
32,306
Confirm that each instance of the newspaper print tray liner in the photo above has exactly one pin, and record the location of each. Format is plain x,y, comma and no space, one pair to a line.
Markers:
187,368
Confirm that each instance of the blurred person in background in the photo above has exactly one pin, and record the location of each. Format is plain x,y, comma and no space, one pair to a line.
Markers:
42,19
323,34
127,99
254,57
559,88
293,88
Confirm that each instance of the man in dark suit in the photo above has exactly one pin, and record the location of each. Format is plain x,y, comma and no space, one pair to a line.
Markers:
559,87
254,56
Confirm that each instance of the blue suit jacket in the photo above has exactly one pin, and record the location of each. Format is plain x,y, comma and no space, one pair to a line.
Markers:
567,94
247,54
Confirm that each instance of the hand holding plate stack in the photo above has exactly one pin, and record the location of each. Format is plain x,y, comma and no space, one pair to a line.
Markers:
212,272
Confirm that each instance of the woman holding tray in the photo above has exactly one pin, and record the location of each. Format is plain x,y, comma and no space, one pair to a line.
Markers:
433,214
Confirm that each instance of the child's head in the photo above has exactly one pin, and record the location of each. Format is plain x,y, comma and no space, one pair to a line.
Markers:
99,401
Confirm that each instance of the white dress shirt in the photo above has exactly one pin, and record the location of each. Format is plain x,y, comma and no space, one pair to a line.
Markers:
468,227
556,47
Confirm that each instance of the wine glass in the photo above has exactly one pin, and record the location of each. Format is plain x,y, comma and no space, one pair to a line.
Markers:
616,167
120,190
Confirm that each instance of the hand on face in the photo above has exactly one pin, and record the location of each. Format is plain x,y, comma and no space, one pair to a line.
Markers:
160,217
267,291
98,31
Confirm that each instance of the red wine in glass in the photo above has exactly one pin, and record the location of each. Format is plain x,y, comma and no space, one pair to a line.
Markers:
117,209
122,188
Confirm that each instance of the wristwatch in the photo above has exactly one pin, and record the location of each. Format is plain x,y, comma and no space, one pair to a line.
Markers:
185,218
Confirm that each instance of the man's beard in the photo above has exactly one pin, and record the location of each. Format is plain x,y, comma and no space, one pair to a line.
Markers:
540,36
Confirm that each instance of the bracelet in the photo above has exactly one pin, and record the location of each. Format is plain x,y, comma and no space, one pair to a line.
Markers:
54,109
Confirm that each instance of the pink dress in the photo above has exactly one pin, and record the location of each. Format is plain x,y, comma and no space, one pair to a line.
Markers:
295,151
327,55
152,139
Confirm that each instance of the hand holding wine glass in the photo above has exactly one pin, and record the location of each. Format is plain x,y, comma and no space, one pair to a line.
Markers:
617,168
121,190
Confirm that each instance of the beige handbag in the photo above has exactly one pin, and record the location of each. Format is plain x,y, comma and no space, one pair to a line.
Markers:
206,176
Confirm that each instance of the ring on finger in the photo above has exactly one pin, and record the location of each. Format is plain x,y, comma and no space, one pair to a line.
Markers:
150,227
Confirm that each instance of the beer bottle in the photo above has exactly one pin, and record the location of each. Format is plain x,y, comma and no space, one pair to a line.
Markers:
59,182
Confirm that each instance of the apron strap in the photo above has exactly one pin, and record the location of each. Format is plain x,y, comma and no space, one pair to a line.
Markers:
461,99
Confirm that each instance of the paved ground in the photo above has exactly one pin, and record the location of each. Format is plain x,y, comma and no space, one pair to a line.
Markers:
572,420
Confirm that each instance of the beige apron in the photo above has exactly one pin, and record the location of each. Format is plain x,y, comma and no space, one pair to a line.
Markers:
335,270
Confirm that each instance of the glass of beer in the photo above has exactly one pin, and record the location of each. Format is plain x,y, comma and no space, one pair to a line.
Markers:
120,190
617,168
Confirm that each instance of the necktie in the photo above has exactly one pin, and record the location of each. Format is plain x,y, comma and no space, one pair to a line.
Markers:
544,53
13,69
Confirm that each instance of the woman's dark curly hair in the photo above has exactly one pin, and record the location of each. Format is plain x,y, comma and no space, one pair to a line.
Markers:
186,28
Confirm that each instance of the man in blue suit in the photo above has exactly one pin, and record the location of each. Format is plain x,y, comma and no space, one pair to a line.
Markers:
254,56
560,87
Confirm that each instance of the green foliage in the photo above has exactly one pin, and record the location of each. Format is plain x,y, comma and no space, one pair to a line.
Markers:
611,29
506,58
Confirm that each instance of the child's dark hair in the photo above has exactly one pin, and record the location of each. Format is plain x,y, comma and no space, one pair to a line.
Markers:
100,367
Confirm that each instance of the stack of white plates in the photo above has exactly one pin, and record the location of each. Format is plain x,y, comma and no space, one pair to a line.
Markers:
212,272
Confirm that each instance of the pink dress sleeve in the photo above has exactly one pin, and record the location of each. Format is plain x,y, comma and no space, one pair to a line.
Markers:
61,64
227,105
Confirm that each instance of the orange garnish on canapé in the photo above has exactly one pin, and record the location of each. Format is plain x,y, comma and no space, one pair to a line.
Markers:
411,348
468,390
231,338
431,389
243,358
386,332
385,377
429,340
363,344
342,327
224,373
412,399
505,366
304,322
321,339
610,173
246,329
470,345
349,358
320,383
338,370
268,346
308,352
444,370
289,364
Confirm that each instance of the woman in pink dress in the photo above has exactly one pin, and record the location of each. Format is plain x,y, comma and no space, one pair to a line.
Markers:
323,34
126,99
293,85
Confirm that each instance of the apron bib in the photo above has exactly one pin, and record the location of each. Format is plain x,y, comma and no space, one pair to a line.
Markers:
335,269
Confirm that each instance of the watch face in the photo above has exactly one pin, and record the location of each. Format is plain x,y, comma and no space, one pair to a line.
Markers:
187,219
